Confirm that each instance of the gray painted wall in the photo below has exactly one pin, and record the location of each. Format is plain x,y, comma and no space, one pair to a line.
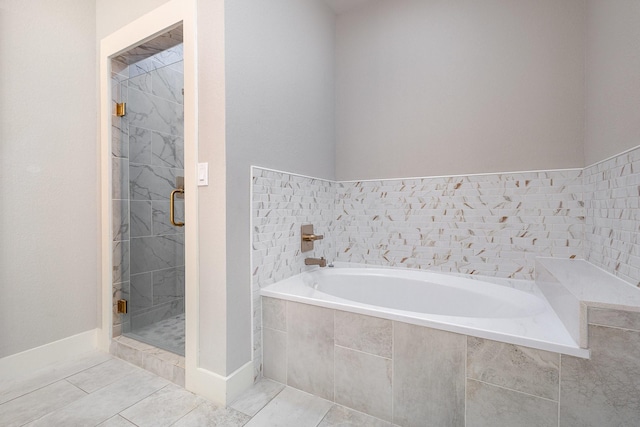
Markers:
280,114
613,82
48,174
431,87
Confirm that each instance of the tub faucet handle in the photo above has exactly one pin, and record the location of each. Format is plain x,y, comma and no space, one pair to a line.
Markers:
307,237
312,237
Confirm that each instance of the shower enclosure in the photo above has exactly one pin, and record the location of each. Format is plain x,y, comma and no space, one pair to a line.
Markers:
148,208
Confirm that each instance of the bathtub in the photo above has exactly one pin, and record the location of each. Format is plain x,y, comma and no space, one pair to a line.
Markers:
510,311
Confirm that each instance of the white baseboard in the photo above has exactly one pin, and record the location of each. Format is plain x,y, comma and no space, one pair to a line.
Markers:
219,389
37,358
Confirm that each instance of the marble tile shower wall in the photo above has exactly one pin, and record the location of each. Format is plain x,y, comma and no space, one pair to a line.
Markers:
491,225
281,203
612,201
148,156
156,151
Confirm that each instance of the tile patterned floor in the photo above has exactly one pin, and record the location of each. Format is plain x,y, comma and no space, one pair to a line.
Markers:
167,334
100,390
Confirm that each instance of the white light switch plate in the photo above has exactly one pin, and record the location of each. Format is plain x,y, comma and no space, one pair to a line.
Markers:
203,174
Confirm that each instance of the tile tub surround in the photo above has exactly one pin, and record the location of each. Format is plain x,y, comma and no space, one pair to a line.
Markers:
612,202
492,225
447,379
281,204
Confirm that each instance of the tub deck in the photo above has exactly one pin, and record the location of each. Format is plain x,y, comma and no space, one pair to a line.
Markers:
542,330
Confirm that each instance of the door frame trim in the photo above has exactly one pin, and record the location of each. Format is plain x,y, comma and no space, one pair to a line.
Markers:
142,29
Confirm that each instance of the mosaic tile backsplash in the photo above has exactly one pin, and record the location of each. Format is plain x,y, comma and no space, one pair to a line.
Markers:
612,201
492,224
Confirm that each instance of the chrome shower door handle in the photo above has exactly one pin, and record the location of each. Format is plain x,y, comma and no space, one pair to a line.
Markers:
172,207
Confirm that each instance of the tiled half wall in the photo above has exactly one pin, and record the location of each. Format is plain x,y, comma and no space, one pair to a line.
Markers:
492,224
416,376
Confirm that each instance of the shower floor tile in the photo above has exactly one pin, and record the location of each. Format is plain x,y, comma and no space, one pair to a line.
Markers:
166,334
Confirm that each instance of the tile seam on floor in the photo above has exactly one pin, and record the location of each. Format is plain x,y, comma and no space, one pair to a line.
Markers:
63,378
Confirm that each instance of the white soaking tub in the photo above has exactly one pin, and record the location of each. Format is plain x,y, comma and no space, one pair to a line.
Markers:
511,311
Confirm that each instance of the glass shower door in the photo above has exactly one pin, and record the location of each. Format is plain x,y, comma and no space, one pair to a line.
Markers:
153,128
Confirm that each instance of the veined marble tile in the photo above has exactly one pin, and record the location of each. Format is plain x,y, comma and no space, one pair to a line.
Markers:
139,145
141,82
253,400
603,390
491,406
310,349
363,382
97,407
32,406
141,292
161,217
518,368
210,415
121,261
152,182
163,407
156,253
167,150
339,416
140,215
292,408
274,313
154,48
364,333
120,220
119,137
168,285
614,318
428,376
169,56
120,174
168,82
155,113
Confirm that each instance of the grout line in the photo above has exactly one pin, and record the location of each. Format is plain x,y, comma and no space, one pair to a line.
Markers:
512,390
466,375
559,386
362,352
393,370
613,327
